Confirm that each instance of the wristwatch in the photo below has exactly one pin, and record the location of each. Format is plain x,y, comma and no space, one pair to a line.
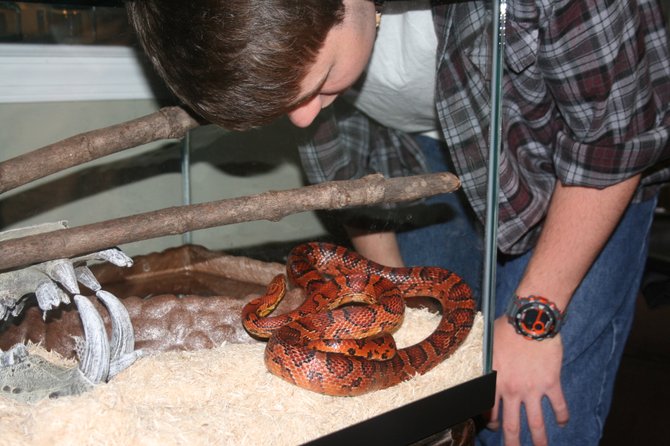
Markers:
535,317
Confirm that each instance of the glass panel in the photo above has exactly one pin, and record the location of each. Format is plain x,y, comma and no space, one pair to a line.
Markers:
495,144
206,165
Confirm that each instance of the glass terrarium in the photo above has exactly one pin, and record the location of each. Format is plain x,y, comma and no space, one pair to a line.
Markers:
209,217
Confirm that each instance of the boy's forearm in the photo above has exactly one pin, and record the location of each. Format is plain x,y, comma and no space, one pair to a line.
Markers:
380,247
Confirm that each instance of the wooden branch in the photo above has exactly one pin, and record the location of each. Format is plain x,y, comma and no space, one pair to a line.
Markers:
168,122
272,206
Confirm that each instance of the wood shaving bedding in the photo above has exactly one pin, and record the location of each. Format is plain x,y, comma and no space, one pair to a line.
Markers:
223,396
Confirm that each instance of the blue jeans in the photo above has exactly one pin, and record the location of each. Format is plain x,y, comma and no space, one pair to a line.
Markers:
598,320
453,239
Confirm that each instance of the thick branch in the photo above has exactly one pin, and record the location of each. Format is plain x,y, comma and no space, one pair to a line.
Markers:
272,205
168,122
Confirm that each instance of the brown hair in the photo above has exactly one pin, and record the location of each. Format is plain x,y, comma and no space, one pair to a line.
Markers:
238,63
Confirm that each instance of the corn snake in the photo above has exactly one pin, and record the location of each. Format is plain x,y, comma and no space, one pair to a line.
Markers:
317,346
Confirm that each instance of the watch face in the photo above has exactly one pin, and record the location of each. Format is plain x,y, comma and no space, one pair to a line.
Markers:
535,320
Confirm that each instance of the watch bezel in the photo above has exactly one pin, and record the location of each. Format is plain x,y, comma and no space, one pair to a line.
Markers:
519,312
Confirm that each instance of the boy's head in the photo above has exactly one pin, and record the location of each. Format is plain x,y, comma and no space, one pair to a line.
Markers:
238,63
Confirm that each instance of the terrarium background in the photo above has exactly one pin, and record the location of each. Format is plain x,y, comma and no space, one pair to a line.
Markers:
222,164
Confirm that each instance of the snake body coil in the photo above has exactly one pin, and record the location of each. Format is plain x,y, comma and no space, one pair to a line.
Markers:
346,350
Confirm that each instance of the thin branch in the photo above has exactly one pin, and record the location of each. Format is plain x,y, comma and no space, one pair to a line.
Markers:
272,205
167,123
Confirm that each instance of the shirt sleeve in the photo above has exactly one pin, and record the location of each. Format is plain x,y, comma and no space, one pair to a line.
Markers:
606,66
344,144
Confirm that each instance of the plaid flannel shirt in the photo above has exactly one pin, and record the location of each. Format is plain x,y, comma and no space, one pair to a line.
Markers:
586,100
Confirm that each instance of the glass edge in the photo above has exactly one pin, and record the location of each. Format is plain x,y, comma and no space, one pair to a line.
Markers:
499,8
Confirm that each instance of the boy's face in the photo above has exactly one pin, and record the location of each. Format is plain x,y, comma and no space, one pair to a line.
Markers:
340,61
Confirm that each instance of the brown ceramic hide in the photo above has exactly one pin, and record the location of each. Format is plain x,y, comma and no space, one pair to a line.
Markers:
185,298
